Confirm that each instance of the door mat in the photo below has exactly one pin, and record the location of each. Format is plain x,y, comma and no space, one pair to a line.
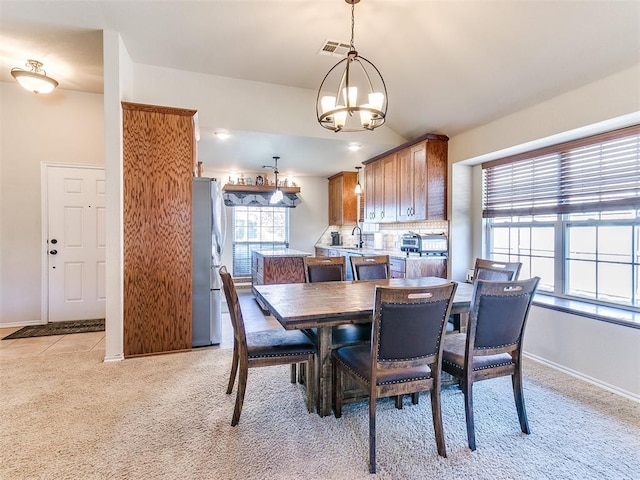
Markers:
58,328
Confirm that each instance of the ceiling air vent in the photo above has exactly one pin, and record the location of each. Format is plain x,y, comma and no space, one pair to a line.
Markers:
334,48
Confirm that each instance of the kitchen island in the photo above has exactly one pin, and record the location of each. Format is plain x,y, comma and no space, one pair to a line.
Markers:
278,265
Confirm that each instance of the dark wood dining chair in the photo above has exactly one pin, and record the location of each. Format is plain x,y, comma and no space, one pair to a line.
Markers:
404,356
489,270
494,270
324,269
374,267
332,269
263,349
492,346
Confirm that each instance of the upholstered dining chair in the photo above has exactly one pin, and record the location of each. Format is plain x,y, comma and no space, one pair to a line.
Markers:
263,349
492,346
372,267
332,269
494,270
404,356
489,270
324,269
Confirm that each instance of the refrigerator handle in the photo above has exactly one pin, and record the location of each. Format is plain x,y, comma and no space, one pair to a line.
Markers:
224,225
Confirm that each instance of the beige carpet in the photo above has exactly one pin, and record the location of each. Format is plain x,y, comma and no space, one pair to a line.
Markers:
167,417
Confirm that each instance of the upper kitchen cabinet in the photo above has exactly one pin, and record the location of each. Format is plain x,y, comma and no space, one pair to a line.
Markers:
342,198
422,173
158,160
408,183
380,178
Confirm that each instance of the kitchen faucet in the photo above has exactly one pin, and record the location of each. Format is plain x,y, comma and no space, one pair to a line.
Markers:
353,232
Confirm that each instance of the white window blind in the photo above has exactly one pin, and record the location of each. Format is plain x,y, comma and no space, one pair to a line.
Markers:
592,174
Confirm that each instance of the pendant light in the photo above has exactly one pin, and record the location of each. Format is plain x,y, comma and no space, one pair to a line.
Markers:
352,96
35,79
358,189
277,195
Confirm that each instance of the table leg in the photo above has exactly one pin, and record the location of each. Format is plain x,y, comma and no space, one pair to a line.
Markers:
323,371
464,321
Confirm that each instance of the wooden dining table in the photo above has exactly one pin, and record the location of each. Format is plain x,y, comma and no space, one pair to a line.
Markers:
325,305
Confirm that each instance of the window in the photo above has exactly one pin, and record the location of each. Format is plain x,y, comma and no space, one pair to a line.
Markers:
256,228
571,214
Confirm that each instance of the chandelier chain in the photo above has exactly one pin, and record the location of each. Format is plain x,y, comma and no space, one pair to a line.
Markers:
353,25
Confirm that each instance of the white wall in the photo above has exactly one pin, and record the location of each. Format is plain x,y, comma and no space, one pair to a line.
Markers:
62,127
574,343
233,103
603,353
609,98
118,85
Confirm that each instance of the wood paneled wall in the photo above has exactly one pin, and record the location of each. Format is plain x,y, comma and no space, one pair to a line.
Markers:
158,150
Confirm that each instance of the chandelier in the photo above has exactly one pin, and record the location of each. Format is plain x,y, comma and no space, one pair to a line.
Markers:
35,79
352,79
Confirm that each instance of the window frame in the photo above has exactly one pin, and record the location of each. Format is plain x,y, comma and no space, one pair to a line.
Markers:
253,244
565,215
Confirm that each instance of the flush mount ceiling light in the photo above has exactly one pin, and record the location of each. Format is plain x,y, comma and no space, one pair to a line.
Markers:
352,78
354,147
222,135
35,79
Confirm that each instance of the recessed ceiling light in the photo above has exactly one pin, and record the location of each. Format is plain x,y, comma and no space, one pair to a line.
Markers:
354,147
222,135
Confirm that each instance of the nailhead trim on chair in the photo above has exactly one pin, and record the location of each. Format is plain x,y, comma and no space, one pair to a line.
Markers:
497,346
304,352
460,367
493,366
412,379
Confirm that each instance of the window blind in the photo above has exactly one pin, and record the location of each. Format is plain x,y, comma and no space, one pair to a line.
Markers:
591,174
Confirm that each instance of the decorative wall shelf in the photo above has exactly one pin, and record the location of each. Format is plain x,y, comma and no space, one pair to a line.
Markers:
229,187
259,195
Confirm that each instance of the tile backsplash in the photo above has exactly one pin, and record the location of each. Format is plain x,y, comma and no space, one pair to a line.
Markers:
391,233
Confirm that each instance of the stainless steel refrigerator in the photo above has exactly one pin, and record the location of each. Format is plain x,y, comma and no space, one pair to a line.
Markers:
209,222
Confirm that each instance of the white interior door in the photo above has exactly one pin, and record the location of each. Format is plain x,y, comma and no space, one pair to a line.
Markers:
75,243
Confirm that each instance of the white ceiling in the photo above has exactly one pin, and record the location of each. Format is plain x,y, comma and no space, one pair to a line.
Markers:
449,65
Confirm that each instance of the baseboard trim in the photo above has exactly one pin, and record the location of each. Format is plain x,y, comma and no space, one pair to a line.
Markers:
594,381
21,324
114,358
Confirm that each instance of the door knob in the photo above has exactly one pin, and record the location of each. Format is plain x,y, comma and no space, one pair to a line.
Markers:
53,252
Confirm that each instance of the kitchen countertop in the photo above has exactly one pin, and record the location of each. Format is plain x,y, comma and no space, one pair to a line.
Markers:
282,252
391,253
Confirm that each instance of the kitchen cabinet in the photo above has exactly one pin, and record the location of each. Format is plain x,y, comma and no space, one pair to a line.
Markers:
413,267
414,189
342,198
323,252
158,162
422,182
396,267
380,190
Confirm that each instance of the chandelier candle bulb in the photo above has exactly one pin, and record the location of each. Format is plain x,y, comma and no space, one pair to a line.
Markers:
365,116
328,103
350,96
